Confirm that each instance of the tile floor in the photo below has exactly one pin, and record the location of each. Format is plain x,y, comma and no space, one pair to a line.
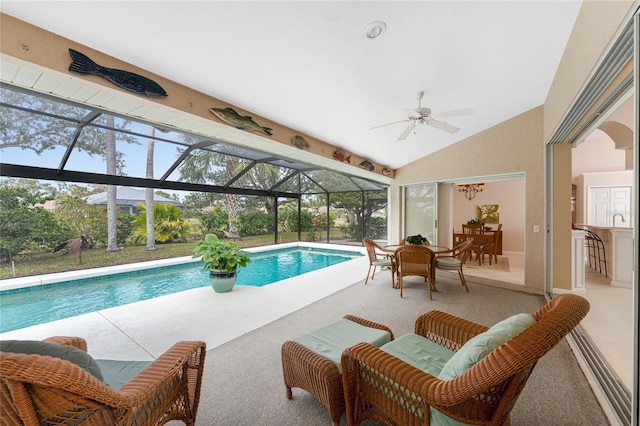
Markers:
609,322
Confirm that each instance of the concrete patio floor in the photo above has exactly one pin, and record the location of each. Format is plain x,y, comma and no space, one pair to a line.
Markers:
144,330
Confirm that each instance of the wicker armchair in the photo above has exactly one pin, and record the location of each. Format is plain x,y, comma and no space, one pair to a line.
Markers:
381,386
413,260
37,389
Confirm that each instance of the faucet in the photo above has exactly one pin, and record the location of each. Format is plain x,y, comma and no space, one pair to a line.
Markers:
614,218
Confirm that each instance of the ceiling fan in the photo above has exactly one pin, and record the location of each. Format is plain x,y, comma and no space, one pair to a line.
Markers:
423,115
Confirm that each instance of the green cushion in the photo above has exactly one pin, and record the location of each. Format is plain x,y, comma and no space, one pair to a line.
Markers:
428,356
419,352
481,345
117,373
331,340
69,353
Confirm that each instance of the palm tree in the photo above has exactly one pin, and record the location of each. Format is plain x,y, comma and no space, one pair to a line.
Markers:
112,193
151,240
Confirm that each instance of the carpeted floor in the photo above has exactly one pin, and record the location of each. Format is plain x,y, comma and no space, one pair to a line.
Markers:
243,378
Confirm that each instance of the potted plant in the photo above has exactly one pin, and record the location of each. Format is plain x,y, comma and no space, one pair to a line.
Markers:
417,240
473,222
221,259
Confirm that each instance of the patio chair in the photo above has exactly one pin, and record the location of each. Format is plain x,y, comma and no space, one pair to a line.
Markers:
55,382
378,257
453,260
414,260
473,374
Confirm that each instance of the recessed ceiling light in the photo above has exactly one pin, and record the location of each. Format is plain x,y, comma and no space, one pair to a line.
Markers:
375,30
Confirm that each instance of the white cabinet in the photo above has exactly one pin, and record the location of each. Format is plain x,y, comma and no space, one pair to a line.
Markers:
605,202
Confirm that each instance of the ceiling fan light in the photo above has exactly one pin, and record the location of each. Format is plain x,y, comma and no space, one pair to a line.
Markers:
375,30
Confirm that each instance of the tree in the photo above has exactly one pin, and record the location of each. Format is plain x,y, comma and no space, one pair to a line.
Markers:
19,129
26,225
360,207
148,192
112,192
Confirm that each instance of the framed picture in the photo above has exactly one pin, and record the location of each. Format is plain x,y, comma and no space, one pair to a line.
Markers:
489,213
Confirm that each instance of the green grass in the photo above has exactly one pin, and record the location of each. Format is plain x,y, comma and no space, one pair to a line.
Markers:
47,263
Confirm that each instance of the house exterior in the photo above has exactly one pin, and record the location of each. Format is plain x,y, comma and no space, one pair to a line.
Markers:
128,199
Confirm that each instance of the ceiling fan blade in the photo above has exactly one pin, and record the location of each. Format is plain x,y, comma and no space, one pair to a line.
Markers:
454,113
442,126
406,132
388,124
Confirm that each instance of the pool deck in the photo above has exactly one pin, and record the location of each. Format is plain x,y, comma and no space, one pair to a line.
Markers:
144,330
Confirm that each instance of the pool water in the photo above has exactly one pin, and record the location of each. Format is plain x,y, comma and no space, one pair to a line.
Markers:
19,309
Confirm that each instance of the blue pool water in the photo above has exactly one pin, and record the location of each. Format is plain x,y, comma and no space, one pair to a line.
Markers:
19,309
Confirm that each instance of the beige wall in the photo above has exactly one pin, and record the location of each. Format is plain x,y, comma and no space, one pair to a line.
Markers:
514,146
509,195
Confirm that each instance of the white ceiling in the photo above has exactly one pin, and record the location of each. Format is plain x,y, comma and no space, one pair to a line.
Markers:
308,65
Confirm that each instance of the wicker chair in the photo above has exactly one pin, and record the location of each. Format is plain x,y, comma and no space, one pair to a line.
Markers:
37,389
453,260
413,260
378,257
380,386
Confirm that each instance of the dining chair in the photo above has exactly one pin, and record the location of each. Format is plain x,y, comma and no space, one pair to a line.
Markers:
475,232
491,247
378,257
414,260
453,260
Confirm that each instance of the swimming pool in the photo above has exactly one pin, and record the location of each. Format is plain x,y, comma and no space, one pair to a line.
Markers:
37,305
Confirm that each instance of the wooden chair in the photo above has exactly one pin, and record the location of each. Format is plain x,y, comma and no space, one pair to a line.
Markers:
475,232
378,257
491,247
45,389
453,260
381,386
414,260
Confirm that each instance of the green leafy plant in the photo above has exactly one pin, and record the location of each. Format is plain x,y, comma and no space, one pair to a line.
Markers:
474,222
220,255
416,239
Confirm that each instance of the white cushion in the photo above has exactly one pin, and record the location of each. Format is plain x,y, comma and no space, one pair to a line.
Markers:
448,263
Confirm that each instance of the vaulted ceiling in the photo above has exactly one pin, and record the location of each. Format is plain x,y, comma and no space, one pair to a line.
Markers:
309,66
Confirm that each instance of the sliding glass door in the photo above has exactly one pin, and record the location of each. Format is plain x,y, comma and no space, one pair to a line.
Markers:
420,210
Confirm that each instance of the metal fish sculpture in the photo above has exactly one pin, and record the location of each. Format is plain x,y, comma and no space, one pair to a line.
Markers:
127,80
299,142
341,155
367,165
230,116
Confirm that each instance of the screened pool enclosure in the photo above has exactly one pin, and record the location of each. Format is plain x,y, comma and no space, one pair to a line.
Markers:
51,139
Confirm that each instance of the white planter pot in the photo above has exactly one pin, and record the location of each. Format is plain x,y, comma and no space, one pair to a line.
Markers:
222,281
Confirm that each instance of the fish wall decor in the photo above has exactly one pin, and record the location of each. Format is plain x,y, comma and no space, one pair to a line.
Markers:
127,80
230,116
367,165
299,142
341,155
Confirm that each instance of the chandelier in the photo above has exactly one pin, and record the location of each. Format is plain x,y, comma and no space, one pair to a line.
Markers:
470,190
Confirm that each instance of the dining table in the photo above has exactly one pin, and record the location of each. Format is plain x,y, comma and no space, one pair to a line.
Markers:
436,249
